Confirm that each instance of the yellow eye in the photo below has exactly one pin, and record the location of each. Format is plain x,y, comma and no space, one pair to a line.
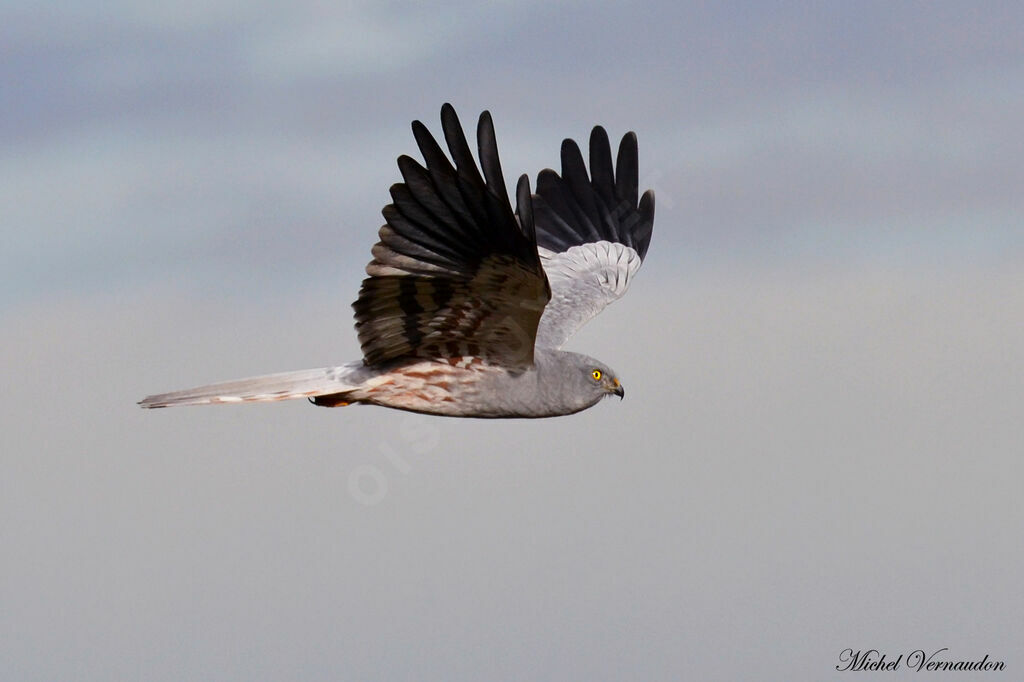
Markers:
596,374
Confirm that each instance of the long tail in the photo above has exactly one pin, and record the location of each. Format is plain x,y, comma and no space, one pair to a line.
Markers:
306,383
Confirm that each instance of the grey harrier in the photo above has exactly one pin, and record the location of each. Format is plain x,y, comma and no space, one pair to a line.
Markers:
468,303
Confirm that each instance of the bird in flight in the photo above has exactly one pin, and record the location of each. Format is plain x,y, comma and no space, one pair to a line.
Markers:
468,303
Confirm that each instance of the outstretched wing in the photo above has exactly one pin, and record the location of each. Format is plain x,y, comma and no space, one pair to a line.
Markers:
455,273
591,232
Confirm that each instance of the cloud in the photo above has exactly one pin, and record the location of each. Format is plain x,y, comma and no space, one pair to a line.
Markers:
223,136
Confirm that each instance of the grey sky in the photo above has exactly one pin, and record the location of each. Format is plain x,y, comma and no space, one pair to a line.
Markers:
823,353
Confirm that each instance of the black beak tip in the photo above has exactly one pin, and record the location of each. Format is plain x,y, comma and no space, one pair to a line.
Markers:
621,392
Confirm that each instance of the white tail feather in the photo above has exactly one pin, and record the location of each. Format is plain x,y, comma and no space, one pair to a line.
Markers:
306,383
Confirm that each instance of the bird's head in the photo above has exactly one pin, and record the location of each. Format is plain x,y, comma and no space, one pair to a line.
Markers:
595,379
604,380
575,381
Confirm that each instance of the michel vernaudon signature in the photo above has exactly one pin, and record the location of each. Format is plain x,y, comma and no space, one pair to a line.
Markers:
918,660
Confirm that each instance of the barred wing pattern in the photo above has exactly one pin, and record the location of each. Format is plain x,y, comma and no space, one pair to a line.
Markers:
592,232
456,273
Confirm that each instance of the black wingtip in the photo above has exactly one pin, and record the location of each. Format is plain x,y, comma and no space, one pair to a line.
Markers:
627,169
572,159
487,146
602,173
600,146
455,137
574,173
577,207
524,208
647,206
419,129
452,129
643,230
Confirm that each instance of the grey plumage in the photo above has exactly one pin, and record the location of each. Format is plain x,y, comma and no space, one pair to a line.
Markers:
468,302
268,388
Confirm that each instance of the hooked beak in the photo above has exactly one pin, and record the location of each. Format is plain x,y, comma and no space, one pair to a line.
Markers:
619,390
